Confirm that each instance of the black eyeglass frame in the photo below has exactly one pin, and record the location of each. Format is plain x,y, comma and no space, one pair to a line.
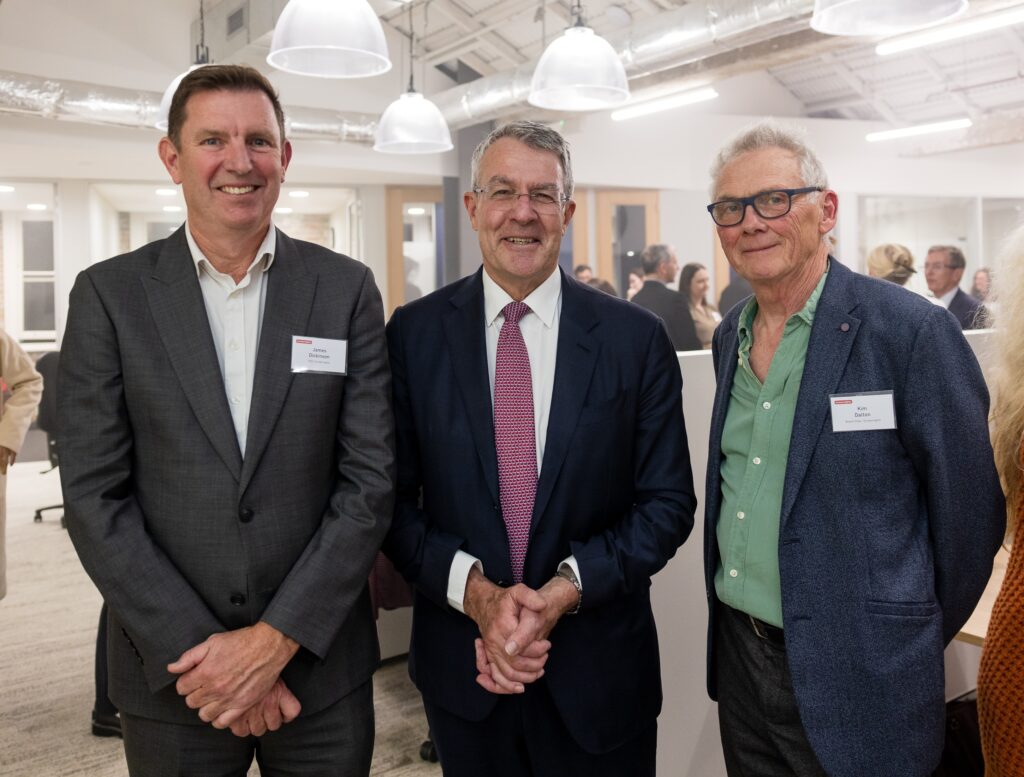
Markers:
751,201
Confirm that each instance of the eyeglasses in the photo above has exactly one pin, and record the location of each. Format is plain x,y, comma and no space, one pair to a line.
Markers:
929,266
768,205
501,197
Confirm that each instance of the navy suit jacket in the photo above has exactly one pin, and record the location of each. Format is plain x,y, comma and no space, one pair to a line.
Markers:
968,310
886,537
615,490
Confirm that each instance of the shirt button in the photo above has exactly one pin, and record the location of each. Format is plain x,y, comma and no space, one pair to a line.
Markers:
741,515
233,345
237,599
733,573
757,459
236,399
767,405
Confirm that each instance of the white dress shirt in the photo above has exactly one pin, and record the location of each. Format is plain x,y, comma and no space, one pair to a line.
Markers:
540,333
235,313
946,298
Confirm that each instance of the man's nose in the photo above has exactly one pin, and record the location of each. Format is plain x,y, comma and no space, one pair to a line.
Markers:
237,159
522,208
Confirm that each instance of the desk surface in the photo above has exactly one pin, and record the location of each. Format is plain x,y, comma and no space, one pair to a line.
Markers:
974,630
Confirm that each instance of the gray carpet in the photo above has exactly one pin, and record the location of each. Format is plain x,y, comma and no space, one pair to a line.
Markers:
47,640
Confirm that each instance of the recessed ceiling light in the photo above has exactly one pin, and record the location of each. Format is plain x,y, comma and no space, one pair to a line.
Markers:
166,192
36,206
298,194
6,189
416,211
172,209
283,210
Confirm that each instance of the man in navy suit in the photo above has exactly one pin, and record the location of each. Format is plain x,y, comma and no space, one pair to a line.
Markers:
531,539
853,508
943,269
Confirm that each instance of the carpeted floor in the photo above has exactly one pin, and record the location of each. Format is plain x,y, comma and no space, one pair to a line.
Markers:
47,641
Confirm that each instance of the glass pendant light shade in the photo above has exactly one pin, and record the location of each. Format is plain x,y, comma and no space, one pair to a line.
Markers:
412,125
881,17
329,39
579,71
165,101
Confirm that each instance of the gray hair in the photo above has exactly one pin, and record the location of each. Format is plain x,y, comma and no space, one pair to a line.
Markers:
768,134
652,257
535,135
956,258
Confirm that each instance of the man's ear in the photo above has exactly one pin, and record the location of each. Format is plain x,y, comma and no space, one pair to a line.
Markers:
470,201
169,156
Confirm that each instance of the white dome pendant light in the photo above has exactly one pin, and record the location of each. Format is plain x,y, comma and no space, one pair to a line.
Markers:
202,57
881,17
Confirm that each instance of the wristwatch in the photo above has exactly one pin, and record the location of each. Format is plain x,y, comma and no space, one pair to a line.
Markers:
565,572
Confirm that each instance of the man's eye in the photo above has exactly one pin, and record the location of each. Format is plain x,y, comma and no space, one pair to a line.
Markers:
543,198
728,207
774,198
210,141
262,142
501,194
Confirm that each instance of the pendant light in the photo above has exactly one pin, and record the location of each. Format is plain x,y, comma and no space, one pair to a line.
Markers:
202,57
329,39
412,124
881,17
579,71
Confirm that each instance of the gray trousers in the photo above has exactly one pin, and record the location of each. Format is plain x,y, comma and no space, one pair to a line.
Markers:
335,742
762,735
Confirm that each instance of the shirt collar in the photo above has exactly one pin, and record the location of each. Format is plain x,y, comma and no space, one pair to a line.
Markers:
805,314
543,300
265,252
947,298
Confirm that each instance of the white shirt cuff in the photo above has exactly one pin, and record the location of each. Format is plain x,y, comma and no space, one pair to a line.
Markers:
574,566
462,564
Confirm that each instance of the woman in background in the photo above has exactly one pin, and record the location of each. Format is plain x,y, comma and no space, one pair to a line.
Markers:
693,284
982,283
1001,675
636,282
891,262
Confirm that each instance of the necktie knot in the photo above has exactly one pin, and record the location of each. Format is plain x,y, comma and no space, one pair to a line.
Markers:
514,311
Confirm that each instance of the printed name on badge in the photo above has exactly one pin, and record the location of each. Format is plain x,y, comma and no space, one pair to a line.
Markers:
319,354
863,412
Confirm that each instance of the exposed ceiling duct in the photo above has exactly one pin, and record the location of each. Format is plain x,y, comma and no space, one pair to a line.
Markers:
95,104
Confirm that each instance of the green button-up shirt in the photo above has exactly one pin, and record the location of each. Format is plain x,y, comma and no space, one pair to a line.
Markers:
755,449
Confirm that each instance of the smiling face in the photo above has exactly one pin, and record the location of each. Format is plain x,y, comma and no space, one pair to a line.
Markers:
774,251
230,162
519,246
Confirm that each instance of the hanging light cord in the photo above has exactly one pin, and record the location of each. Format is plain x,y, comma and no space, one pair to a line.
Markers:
202,51
577,14
412,39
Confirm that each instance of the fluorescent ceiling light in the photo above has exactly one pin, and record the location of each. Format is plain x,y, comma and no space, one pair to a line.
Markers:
285,211
416,211
948,32
6,189
919,129
36,206
172,209
665,103
166,192
298,194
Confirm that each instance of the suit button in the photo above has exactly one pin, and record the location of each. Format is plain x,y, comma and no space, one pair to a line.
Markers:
237,599
246,514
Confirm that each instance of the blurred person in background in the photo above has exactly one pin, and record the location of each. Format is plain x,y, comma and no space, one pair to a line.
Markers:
636,282
982,283
1001,674
660,266
583,273
602,285
943,270
891,262
693,285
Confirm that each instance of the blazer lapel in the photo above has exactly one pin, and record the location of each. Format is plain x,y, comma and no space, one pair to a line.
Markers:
828,350
176,302
290,291
574,367
728,356
464,332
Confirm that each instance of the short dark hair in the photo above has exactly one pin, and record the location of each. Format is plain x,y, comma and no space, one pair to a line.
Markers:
535,135
653,256
214,78
956,256
581,268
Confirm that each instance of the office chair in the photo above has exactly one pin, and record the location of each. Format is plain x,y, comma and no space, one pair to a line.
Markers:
47,419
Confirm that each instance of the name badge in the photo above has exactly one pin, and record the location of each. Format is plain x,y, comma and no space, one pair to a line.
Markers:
863,412
319,354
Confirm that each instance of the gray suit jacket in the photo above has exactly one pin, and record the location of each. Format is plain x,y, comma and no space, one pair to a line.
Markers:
184,537
887,536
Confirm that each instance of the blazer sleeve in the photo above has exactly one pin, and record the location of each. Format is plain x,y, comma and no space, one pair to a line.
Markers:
324,584
160,610
26,386
946,434
621,559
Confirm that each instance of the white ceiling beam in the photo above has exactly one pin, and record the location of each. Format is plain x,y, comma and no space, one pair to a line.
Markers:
466,22
943,80
857,84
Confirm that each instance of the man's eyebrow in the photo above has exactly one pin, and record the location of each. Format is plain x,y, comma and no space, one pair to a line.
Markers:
505,181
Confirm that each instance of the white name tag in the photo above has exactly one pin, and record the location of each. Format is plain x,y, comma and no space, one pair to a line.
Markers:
319,354
863,412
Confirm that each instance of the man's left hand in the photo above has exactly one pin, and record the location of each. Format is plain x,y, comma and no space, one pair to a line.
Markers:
7,457
230,672
534,625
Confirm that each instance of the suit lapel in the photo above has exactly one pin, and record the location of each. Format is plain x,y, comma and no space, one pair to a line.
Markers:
725,373
290,291
464,333
176,303
574,367
832,336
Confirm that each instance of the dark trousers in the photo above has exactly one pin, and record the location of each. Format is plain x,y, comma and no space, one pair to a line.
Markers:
525,737
762,735
335,742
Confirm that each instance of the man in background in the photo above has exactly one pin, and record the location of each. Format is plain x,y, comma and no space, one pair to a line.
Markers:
583,273
660,267
943,270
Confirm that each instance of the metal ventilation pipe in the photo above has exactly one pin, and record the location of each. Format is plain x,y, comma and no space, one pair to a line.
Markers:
668,40
110,105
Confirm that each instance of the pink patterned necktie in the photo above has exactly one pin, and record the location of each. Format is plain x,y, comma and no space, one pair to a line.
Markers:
514,436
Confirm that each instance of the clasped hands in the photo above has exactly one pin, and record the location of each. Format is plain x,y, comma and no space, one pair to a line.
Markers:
514,626
233,680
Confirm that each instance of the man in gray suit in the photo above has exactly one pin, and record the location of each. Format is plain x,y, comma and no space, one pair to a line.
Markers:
853,508
227,462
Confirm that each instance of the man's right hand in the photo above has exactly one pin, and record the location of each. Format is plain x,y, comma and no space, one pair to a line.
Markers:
277,707
496,612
